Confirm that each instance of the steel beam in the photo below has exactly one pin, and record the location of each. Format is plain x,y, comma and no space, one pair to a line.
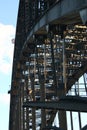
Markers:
63,15
66,104
84,128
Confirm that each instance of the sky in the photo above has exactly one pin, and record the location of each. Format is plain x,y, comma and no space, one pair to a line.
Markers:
8,20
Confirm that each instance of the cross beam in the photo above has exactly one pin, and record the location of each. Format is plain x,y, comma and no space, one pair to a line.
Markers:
67,104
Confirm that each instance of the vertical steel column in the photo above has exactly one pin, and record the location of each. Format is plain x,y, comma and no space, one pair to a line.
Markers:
19,111
33,109
62,120
84,78
43,96
53,62
27,109
20,107
79,116
71,120
62,114
64,67
43,112
20,98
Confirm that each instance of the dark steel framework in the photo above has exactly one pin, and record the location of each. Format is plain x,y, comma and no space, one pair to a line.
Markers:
47,64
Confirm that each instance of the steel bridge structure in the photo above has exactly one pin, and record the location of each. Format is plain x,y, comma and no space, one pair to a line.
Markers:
49,74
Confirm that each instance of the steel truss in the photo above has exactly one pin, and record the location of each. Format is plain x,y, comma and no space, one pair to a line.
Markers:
46,71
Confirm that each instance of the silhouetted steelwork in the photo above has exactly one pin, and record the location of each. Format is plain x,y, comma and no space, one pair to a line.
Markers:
49,76
84,128
52,127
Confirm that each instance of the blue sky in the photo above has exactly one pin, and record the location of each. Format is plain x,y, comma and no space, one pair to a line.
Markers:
8,19
8,11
